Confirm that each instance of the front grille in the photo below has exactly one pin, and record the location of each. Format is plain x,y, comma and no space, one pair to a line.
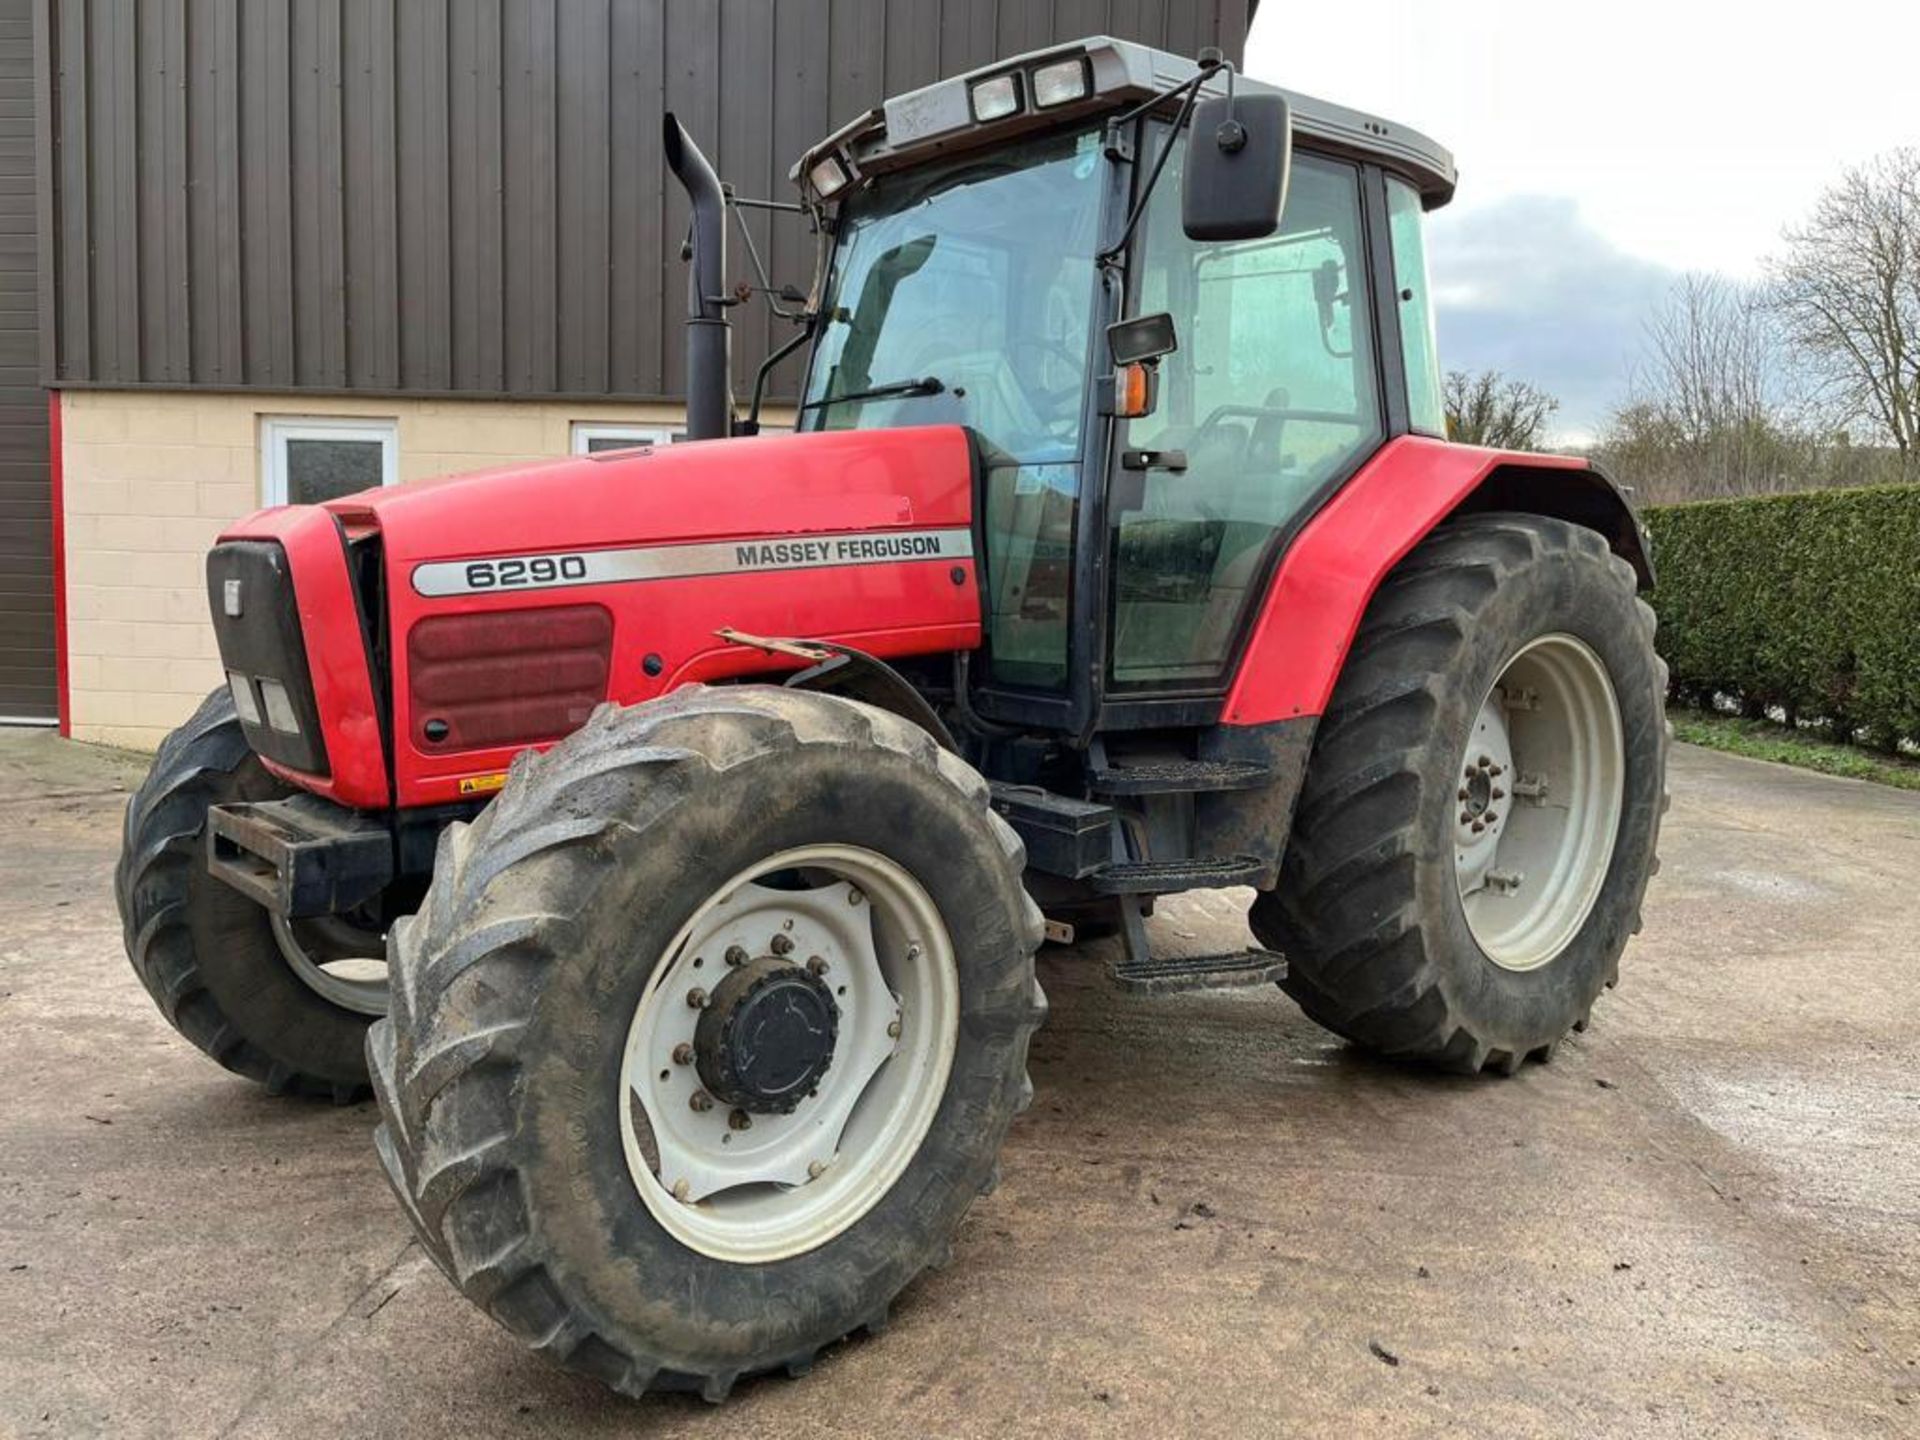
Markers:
506,677
257,623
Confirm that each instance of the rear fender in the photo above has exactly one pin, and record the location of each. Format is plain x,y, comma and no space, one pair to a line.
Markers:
1313,606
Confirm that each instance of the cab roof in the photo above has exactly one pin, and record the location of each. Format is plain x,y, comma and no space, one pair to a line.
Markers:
938,118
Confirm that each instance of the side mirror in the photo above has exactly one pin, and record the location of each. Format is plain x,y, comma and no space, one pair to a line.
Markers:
1238,153
1143,338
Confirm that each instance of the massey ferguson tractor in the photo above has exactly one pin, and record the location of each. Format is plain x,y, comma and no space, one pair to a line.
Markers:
666,835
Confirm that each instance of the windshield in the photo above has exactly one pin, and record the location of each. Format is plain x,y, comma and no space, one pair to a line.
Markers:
962,293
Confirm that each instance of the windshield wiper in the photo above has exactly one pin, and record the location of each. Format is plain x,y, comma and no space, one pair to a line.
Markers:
925,385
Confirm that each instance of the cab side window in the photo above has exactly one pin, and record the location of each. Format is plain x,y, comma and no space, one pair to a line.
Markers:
1406,225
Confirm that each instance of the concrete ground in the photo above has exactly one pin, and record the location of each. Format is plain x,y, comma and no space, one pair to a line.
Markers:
1700,1220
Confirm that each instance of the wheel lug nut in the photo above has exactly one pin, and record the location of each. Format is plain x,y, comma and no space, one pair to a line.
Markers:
1462,793
816,966
735,955
1498,793
1478,826
683,1053
781,944
696,999
700,1101
739,1120
816,1169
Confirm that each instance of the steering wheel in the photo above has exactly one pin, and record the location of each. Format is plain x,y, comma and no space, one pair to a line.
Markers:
1060,405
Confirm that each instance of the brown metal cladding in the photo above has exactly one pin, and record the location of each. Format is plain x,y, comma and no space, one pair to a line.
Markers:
460,196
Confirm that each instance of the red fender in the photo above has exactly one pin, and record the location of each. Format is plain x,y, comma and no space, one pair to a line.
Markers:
1324,583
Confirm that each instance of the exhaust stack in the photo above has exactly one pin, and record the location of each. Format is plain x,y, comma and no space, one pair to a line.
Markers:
709,335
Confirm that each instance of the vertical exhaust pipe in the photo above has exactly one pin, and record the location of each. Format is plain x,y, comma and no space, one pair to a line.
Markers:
709,334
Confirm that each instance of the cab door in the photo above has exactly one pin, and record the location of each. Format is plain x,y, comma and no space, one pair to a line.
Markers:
1271,401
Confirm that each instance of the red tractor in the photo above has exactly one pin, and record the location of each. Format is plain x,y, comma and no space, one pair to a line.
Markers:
666,835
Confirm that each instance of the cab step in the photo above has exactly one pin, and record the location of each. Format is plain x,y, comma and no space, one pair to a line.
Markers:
1166,877
1155,976
1176,776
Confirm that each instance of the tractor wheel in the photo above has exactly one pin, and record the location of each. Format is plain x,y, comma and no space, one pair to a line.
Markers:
285,1004
708,1032
1482,804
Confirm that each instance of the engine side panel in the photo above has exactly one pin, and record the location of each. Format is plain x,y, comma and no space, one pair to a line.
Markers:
863,538
1314,604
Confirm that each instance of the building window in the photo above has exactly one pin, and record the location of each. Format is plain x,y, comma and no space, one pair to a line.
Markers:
592,439
308,459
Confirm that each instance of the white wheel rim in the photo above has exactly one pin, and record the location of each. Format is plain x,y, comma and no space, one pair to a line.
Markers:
353,982
1542,782
786,1184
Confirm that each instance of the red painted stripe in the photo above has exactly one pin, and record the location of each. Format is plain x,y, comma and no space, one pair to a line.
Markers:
56,472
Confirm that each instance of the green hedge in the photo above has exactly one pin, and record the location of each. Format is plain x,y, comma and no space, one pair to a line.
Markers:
1809,602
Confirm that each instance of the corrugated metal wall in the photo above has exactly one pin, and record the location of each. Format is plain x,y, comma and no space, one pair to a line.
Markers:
26,510
459,196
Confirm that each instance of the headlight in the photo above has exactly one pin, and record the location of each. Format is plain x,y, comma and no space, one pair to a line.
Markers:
997,98
1060,83
279,707
243,700
828,177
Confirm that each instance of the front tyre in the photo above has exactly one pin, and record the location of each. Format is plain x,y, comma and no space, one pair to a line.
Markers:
1481,809
287,1005
708,1033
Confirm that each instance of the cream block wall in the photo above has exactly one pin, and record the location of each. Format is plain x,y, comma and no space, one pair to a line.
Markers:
150,479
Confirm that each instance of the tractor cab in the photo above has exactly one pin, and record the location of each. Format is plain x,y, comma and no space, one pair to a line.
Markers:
1001,244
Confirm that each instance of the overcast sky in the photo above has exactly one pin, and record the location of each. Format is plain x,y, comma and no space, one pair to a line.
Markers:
1603,150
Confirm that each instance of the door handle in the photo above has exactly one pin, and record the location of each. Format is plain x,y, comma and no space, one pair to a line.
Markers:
1175,460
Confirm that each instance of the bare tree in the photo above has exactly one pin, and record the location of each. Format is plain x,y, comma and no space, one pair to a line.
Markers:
1709,411
1489,409
1710,364
1847,291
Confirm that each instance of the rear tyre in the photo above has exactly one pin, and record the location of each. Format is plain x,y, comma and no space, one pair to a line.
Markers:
708,1033
1481,809
285,1008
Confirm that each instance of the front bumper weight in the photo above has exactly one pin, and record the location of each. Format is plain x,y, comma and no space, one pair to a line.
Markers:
300,857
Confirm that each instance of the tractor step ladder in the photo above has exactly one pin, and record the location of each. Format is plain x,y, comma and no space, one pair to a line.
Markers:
1176,777
1196,972
1165,877
1137,969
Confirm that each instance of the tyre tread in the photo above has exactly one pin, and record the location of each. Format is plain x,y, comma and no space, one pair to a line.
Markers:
1359,962
434,1097
165,820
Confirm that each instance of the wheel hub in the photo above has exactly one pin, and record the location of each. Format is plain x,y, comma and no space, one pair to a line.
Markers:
1486,776
789,1052
766,1036
1539,801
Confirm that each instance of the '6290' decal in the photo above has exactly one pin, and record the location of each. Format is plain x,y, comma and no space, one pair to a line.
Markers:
532,570
666,562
